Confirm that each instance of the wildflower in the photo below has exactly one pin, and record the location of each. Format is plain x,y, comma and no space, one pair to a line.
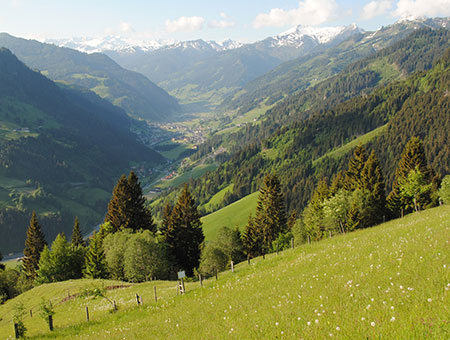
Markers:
309,323
276,323
317,321
393,319
363,318
429,300
372,323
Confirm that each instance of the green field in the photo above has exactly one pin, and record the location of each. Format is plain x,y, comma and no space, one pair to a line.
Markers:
387,282
346,148
217,198
235,214
196,172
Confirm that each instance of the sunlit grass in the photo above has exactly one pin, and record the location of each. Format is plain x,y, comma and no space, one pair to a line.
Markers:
387,282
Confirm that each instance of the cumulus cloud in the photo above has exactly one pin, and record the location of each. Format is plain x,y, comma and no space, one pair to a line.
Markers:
418,8
376,8
309,12
224,23
185,24
126,27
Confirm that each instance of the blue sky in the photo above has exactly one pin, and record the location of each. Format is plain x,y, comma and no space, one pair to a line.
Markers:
243,20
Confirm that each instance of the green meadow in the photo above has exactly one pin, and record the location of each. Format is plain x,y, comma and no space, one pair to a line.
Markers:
387,282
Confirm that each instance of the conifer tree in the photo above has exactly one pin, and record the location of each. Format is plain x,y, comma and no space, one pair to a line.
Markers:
95,267
140,215
2,266
126,208
77,237
412,158
34,245
117,206
252,239
166,219
355,168
270,216
184,234
372,181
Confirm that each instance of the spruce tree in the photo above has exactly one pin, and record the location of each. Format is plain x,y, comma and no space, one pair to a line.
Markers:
117,206
95,267
270,215
412,158
34,245
77,237
184,235
166,219
355,168
126,208
372,181
140,215
252,239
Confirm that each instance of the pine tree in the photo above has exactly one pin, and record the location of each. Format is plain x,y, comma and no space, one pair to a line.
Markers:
77,237
372,181
252,239
126,208
166,220
95,267
413,157
270,215
184,235
140,215
355,168
117,206
34,245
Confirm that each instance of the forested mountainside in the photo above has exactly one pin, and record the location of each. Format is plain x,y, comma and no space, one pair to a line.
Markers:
321,63
61,150
416,52
132,91
384,120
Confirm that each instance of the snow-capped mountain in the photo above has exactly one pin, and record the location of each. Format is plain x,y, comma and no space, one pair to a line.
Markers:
296,36
129,46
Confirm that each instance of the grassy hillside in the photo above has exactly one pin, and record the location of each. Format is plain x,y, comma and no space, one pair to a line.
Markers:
389,282
235,214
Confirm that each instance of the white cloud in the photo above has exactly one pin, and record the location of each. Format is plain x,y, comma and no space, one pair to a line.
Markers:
186,24
419,8
126,27
309,12
224,23
376,8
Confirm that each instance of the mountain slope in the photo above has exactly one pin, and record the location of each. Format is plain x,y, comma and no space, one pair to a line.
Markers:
417,105
303,72
61,151
131,91
391,281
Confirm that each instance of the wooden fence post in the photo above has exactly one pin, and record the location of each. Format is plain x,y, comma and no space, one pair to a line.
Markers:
216,274
248,259
16,330
200,279
114,305
137,299
156,297
232,266
50,322
31,313
292,243
182,286
87,314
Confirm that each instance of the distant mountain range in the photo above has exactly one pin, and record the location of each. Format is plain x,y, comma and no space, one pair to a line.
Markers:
132,91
